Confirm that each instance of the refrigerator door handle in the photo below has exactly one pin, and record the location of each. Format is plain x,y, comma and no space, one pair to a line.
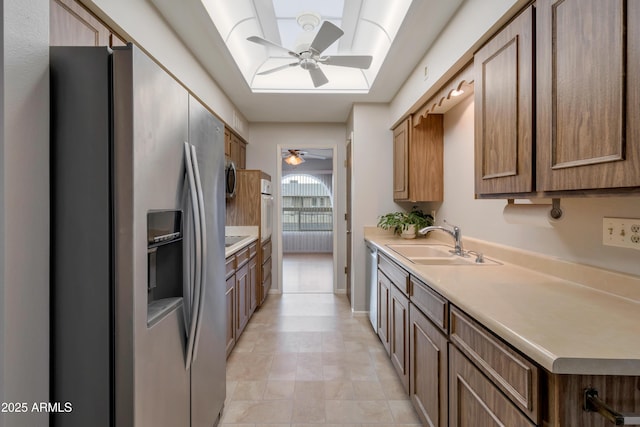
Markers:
191,327
203,249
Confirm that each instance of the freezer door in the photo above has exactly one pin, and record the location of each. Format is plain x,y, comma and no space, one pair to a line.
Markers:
150,115
208,382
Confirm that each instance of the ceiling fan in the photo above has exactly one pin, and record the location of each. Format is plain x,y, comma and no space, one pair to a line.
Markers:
295,157
309,56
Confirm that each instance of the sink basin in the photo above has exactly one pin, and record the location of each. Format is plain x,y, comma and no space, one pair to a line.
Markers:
422,251
232,240
435,255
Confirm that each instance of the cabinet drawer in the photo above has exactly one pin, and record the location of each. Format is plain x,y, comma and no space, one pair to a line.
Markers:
253,249
397,275
242,256
430,302
475,401
266,270
266,250
511,372
230,266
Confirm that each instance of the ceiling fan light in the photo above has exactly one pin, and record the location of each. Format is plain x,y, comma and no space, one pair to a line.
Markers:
293,160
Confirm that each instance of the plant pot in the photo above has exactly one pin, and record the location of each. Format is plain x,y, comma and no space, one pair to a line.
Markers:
409,233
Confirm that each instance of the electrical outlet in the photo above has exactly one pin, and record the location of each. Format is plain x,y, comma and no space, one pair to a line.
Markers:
621,232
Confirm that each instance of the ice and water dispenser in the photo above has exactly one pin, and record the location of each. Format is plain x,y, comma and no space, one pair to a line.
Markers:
164,249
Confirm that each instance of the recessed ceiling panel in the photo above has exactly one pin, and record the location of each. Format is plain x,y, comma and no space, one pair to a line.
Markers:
292,8
369,27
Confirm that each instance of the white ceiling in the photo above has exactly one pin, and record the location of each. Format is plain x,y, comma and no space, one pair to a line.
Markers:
191,20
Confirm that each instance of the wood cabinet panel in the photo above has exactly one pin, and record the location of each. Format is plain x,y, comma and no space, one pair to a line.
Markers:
432,304
418,160
397,275
399,339
72,25
587,65
426,161
254,284
242,299
401,161
474,401
384,300
428,369
230,297
230,266
227,142
565,398
504,105
515,375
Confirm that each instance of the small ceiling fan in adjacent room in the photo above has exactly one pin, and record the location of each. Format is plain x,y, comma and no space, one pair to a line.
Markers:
309,55
295,157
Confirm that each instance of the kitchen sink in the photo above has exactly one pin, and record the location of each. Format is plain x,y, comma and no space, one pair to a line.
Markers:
422,251
436,255
232,240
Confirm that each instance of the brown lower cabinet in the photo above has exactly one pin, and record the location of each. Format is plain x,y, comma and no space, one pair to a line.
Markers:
384,296
474,401
428,369
458,373
241,292
399,340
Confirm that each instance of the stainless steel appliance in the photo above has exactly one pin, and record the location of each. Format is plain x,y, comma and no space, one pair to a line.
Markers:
138,308
266,209
372,284
230,181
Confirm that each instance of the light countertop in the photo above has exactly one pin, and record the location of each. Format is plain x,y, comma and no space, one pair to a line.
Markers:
248,234
565,326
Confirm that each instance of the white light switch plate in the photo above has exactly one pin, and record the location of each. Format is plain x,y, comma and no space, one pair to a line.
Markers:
622,232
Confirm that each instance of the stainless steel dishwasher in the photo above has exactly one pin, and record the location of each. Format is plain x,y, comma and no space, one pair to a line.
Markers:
372,284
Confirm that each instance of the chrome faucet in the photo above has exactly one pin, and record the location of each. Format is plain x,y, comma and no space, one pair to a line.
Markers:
456,233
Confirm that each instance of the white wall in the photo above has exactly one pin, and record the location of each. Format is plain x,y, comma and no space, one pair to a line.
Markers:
24,209
578,237
372,184
263,152
148,29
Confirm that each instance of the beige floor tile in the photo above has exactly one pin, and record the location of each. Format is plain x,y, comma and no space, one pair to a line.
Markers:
403,412
368,390
272,411
249,390
278,390
305,360
339,390
353,411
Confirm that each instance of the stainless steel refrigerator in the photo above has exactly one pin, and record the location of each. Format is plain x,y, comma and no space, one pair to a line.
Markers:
137,257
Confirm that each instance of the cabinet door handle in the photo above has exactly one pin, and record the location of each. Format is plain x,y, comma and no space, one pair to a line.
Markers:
593,404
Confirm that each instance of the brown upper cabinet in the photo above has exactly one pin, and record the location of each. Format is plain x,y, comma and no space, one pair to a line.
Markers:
588,94
586,101
235,148
418,160
504,110
73,25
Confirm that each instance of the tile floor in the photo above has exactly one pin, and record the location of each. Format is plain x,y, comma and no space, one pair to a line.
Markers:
305,360
307,272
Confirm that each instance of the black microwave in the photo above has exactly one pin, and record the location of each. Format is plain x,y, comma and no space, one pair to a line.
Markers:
230,179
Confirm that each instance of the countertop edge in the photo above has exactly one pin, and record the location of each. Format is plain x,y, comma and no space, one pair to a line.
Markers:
554,363
228,251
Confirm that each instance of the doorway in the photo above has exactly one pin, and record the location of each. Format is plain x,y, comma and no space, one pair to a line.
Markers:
307,220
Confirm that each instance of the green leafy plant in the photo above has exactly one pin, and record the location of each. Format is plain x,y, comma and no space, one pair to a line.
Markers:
400,221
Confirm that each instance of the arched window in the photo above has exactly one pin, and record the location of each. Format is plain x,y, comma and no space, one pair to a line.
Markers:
307,203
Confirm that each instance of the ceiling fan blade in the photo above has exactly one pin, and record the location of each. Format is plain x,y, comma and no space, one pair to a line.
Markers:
318,77
363,61
326,36
267,43
273,70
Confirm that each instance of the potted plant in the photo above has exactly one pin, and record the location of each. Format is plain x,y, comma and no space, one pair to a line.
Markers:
405,224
